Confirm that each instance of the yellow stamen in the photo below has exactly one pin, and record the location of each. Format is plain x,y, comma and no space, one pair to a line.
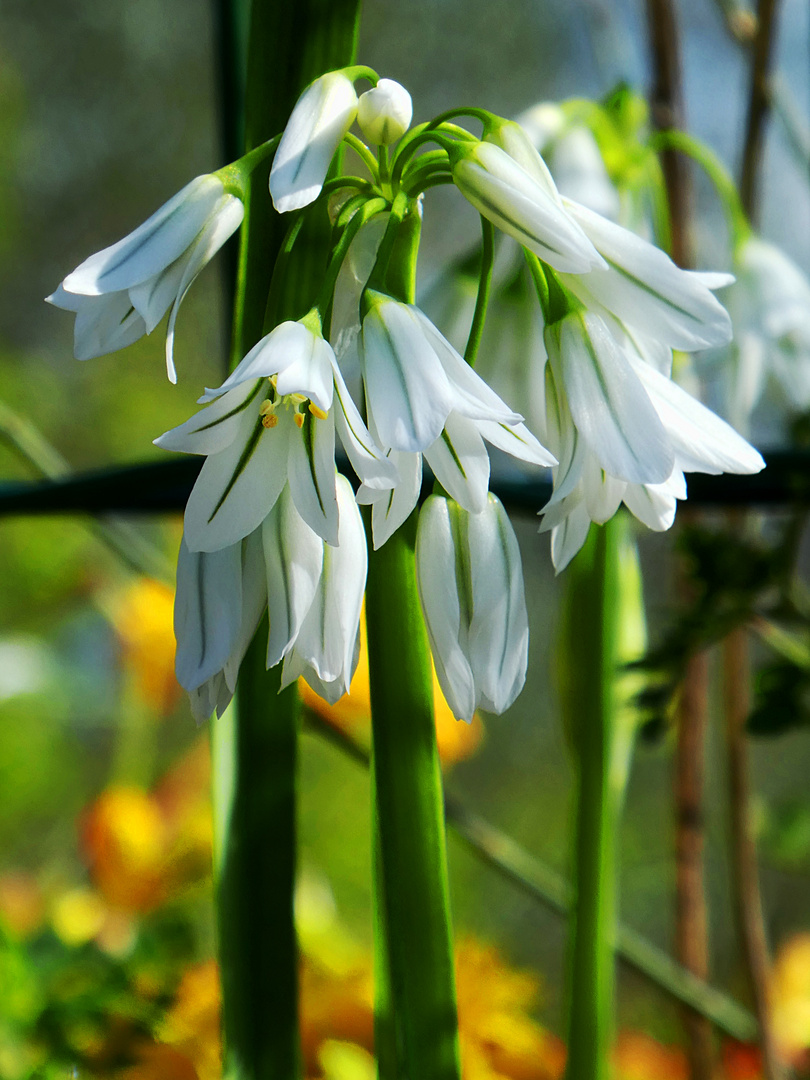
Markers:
319,414
299,399
267,406
269,420
299,419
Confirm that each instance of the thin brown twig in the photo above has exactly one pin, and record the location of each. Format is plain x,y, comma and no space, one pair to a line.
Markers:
758,107
691,932
667,111
737,702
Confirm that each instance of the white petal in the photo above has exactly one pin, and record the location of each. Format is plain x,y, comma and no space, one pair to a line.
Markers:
326,640
321,117
312,476
568,537
207,612
238,486
645,288
460,463
105,324
373,468
310,373
499,630
407,391
293,556
514,201
602,493
152,246
211,430
473,397
702,441
608,403
224,221
389,509
271,354
517,440
213,694
254,603
152,298
652,504
445,617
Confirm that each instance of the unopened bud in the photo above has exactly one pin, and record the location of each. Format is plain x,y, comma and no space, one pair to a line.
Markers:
384,113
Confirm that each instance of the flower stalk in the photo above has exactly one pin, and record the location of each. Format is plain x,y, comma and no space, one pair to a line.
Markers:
590,643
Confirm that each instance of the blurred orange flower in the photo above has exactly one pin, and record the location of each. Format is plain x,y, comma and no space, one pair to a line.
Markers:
790,993
142,615
455,739
22,906
637,1056
143,847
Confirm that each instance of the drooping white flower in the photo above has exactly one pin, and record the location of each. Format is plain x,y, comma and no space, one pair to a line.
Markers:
322,115
124,291
219,600
519,196
424,399
384,112
769,306
273,421
624,432
325,648
471,589
644,288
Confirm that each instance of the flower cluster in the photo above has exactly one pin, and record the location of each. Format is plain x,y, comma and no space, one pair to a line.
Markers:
271,525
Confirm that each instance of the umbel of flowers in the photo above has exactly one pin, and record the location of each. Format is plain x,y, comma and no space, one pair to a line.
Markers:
272,524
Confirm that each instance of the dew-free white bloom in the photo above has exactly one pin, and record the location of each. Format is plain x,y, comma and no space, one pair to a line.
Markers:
770,310
124,291
219,600
258,438
644,288
321,117
471,590
325,648
623,432
524,204
384,112
424,399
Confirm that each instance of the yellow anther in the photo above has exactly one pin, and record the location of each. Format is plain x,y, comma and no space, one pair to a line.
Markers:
267,406
299,419
298,399
269,420
319,414
273,380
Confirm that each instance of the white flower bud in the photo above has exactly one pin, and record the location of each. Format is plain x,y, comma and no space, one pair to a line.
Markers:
384,113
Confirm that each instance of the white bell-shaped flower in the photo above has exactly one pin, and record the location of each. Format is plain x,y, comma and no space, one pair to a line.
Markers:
384,113
520,197
124,291
470,584
325,649
321,117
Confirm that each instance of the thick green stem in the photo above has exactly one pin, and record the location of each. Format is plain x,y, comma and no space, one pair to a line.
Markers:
411,889
591,649
254,751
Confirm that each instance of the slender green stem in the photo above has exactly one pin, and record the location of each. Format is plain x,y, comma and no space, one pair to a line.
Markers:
484,289
255,755
590,646
369,209
363,153
411,889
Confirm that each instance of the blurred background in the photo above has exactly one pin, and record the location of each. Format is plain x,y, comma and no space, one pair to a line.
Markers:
106,928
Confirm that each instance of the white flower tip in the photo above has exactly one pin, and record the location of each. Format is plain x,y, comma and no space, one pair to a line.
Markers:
384,113
285,201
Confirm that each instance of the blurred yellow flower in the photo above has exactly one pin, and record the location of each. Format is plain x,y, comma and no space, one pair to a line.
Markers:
351,714
142,615
791,998
143,847
78,915
498,1037
191,1027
